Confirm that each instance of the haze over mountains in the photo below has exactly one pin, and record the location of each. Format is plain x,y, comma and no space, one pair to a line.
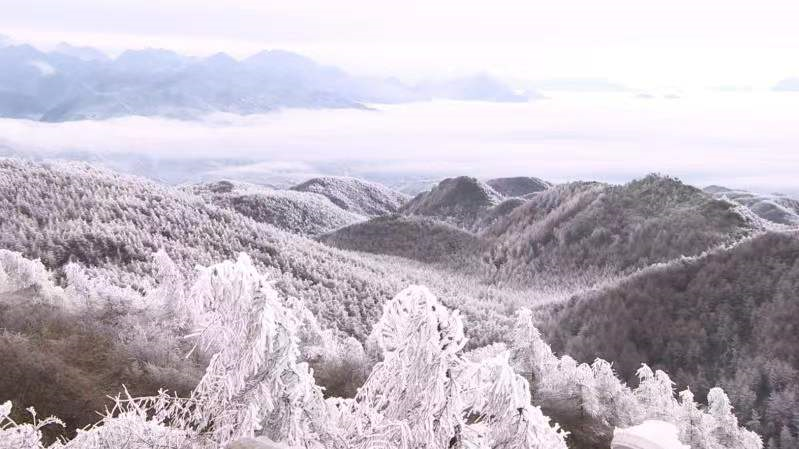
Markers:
80,83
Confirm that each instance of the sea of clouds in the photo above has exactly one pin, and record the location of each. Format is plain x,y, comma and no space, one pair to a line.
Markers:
738,139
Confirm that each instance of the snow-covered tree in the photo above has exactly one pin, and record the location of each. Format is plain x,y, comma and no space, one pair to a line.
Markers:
22,436
18,272
618,403
655,393
415,383
425,393
694,424
725,428
253,384
501,399
593,399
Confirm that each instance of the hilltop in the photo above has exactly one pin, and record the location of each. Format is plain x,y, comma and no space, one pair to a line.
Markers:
459,201
355,195
298,212
417,238
583,228
518,186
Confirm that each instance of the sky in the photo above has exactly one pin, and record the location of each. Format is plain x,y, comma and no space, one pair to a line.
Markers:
644,44
673,55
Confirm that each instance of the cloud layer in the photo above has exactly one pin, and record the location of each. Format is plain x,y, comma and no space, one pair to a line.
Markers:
744,140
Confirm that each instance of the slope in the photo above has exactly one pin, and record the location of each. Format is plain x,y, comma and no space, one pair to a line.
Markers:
61,212
518,186
459,201
725,318
355,195
593,229
778,209
416,238
298,212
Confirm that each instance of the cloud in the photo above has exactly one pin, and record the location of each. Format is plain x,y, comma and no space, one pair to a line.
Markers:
713,138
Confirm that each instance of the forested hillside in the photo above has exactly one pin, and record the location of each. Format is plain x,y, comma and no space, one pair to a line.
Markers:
423,389
726,318
111,223
518,186
298,212
354,195
98,281
417,238
589,227
569,236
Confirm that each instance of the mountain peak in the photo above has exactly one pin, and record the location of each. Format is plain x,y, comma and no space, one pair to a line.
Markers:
355,195
280,58
82,53
518,185
220,58
149,59
459,200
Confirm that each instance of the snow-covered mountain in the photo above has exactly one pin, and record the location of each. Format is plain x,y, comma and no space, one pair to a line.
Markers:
698,317
775,208
518,186
567,236
411,237
579,229
304,213
355,195
460,201
99,284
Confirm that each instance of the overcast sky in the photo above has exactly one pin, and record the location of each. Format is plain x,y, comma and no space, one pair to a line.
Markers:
642,43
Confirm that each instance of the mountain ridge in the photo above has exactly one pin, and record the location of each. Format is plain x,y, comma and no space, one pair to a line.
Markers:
78,83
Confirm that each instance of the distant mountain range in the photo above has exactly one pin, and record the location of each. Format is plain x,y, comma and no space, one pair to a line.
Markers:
776,208
788,84
77,83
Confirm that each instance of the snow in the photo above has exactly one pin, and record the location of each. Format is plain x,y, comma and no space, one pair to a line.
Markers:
651,434
256,443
